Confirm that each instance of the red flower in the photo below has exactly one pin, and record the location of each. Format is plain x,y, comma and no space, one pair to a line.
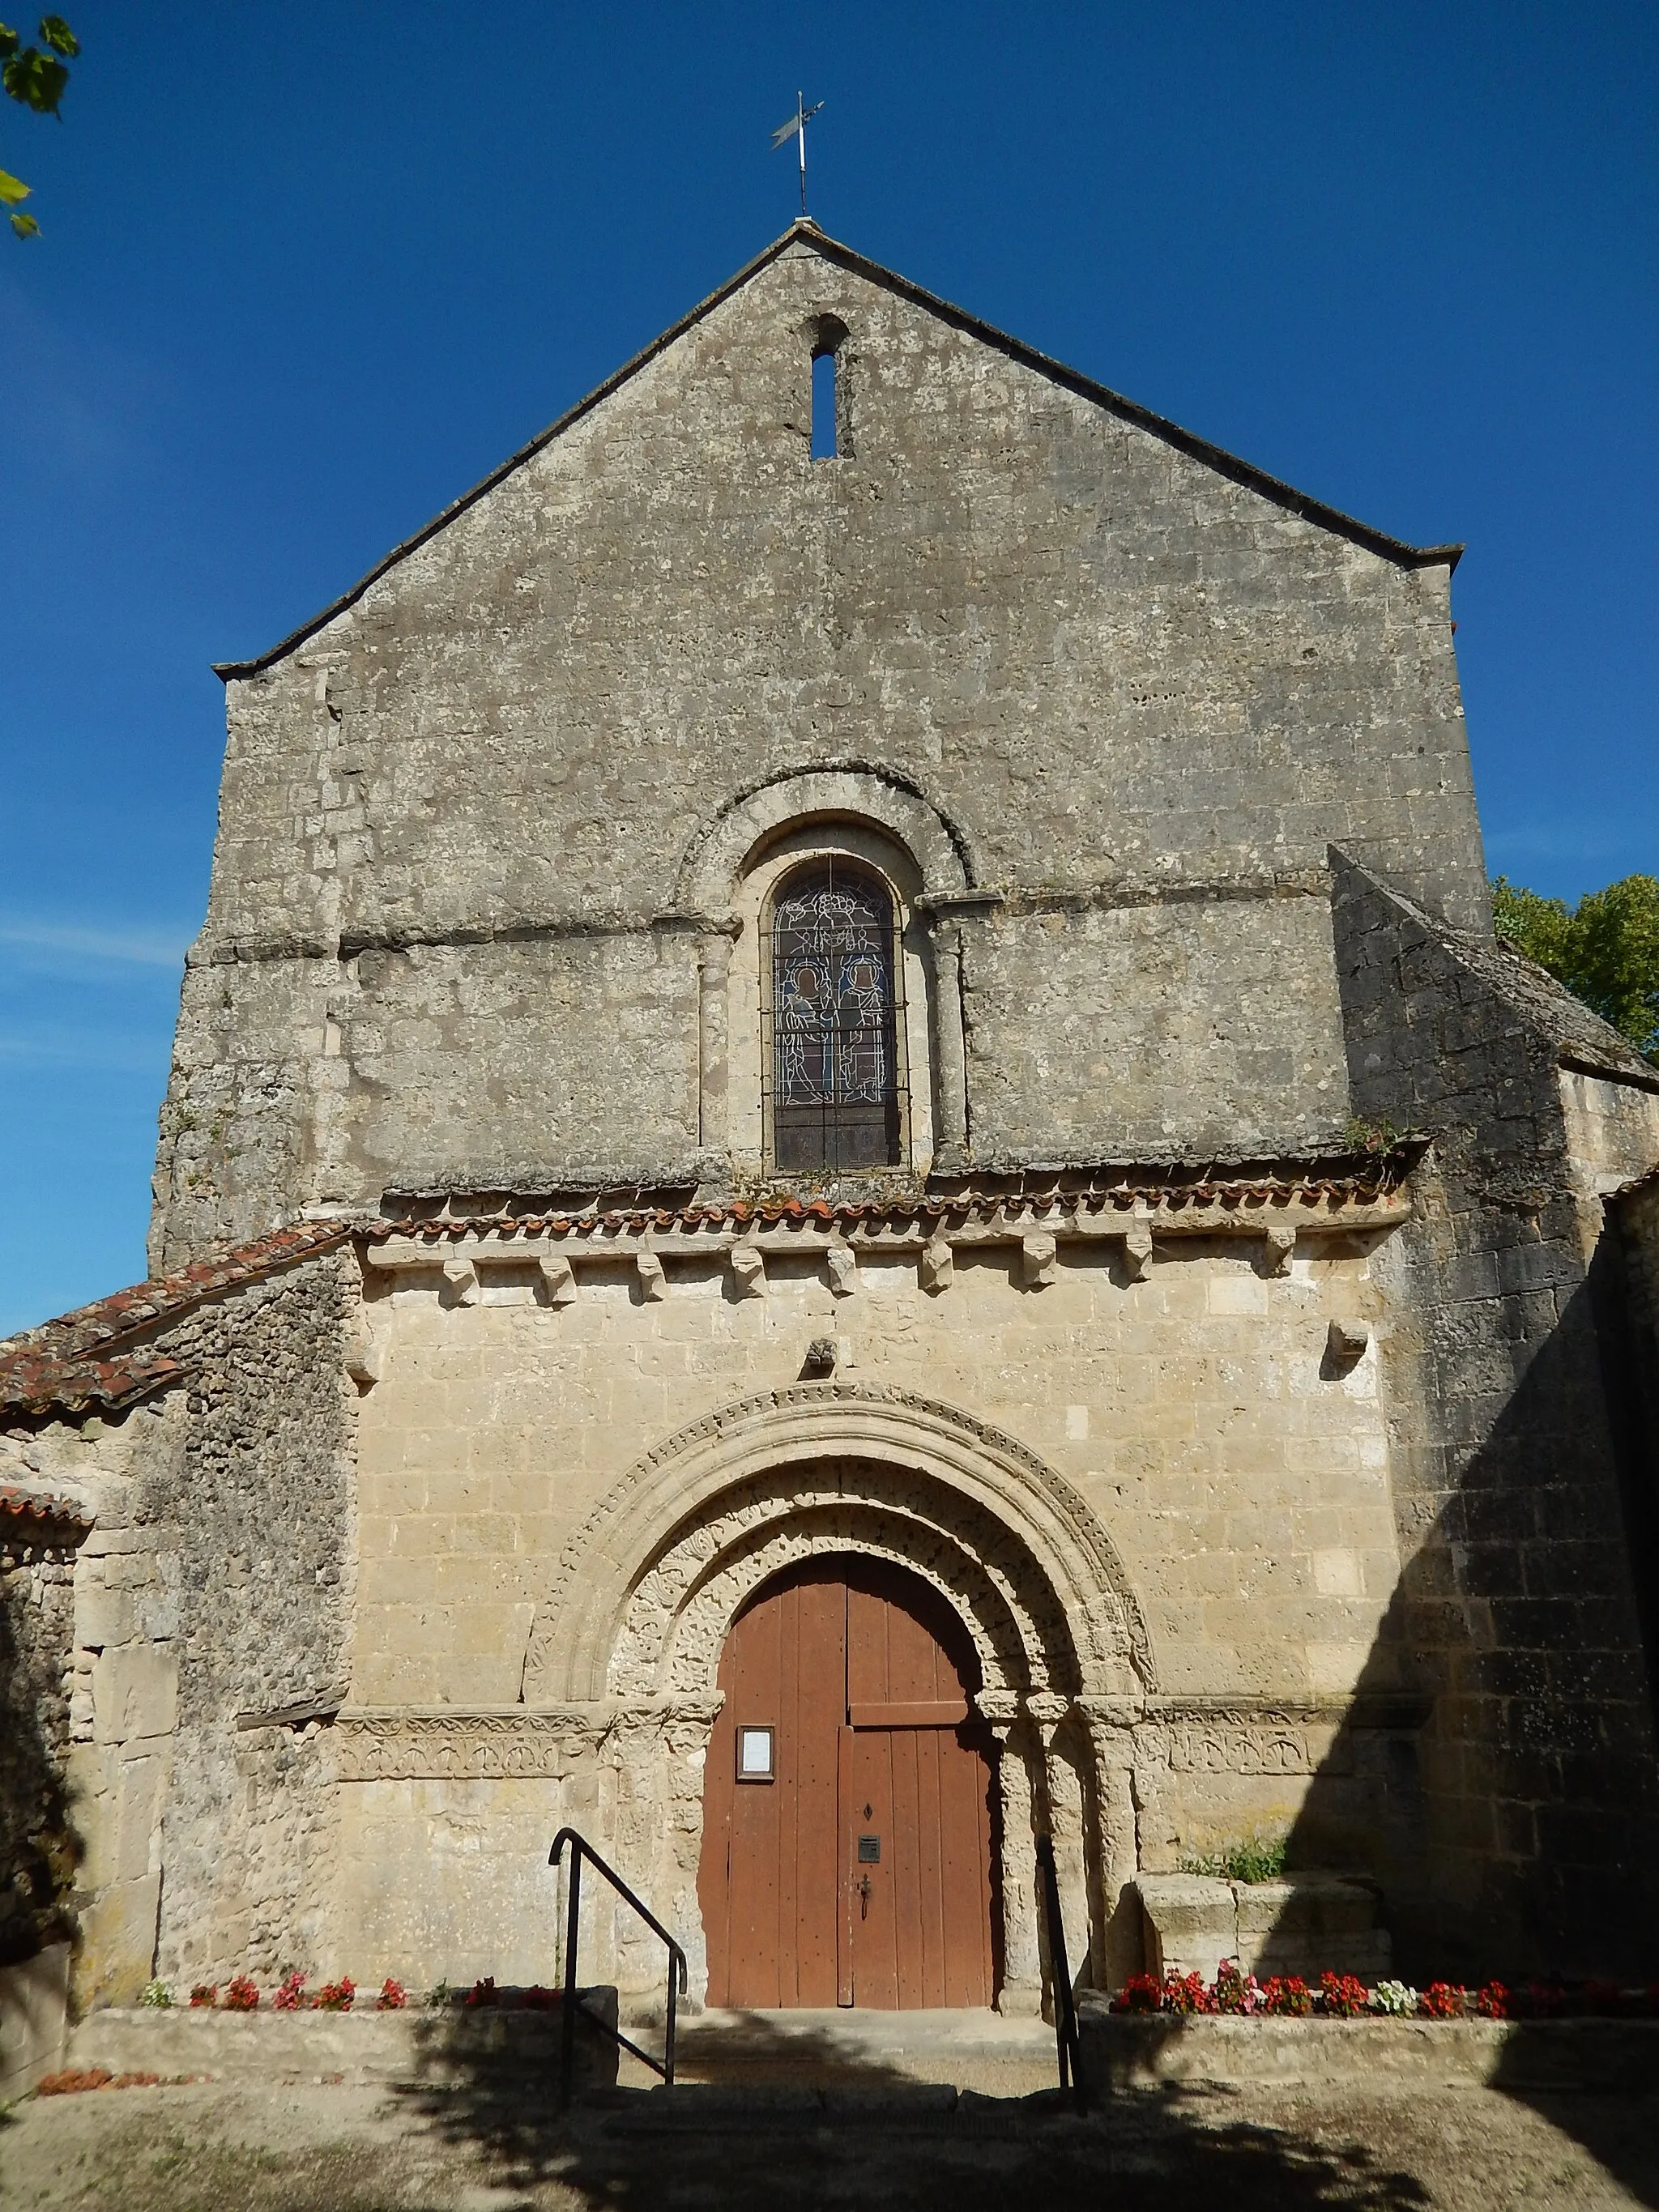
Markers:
1493,2002
1344,1996
1140,1993
1441,2001
393,1996
1288,1996
205,1994
242,1995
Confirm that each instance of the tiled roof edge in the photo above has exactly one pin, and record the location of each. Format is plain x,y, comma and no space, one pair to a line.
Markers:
88,1359
50,1505
1360,1177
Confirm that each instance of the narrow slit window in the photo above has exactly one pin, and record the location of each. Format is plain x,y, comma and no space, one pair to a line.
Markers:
825,443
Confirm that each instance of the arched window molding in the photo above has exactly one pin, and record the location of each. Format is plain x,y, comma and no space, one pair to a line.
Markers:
751,1037
833,1054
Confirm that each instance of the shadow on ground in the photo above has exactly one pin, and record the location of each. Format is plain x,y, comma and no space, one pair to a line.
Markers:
799,2121
1612,2110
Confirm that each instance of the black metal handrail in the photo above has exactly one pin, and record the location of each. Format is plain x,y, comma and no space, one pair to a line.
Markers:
1065,2034
580,1849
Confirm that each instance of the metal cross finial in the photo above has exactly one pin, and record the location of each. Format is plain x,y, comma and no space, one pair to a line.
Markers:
795,128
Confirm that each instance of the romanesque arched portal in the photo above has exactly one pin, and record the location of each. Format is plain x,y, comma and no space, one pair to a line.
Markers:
649,1589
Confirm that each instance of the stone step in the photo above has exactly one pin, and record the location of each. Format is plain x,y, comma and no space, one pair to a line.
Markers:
857,2051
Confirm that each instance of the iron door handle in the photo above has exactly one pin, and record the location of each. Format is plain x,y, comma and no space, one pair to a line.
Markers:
864,1897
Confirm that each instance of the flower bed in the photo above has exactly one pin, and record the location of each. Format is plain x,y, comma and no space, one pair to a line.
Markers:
1342,1997
241,1994
448,2043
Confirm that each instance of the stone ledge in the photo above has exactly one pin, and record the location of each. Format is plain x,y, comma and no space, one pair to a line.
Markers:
444,2048
1127,2050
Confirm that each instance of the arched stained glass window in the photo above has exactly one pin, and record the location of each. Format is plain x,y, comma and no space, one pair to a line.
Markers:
833,1049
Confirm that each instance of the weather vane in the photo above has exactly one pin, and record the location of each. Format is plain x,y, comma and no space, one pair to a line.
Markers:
795,128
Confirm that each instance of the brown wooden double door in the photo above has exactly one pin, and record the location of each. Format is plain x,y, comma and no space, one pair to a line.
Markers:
857,1871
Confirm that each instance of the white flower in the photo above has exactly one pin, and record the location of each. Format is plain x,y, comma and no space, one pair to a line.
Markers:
1398,1998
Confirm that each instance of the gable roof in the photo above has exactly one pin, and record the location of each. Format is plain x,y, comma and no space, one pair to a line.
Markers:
805,231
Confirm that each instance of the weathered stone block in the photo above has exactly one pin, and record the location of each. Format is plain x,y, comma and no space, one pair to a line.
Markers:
135,1692
33,2020
1191,1923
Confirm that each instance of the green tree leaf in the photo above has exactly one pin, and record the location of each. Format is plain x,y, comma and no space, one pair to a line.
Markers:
1538,927
35,80
9,42
25,225
56,33
12,189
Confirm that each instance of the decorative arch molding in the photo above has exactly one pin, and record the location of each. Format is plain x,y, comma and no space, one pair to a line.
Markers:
838,790
695,1507
678,1614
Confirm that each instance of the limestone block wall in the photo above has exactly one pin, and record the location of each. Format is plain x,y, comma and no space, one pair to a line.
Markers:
209,1612
37,1622
107,1722
1197,1028
1247,1492
1517,1612
448,923
247,1489
1243,1481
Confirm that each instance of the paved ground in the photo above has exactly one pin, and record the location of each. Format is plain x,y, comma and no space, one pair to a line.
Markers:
847,2144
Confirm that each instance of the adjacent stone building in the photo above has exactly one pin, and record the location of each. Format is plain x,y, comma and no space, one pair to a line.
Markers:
847,1128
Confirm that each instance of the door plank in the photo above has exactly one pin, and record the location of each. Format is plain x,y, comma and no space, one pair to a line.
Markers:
846,1829
911,1712
820,1714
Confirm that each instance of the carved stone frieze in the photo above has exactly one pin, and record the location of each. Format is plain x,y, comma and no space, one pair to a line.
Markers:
506,1745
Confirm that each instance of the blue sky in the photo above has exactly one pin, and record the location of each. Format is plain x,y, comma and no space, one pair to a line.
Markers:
306,273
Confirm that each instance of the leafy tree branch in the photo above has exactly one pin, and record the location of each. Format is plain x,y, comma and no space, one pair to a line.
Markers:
1605,950
35,77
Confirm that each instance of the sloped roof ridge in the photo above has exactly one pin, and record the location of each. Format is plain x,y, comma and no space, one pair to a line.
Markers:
804,230
99,1354
1575,1032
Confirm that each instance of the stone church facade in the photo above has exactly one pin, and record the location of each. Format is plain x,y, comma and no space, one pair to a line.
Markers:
921,1020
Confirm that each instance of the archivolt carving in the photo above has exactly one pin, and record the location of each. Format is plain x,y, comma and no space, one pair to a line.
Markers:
679,1611
845,790
996,1503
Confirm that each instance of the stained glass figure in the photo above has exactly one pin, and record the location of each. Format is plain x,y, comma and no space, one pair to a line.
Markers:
834,1065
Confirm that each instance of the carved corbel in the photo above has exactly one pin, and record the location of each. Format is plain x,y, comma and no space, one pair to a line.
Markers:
1281,1246
366,1349
1137,1249
1345,1343
1037,1263
461,1283
654,1279
843,1265
748,1269
559,1280
938,1266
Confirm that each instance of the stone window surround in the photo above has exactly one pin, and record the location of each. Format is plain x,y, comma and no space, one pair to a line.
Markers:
929,866
748,1135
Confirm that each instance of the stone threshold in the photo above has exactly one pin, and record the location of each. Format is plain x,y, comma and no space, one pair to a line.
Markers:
1124,2051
